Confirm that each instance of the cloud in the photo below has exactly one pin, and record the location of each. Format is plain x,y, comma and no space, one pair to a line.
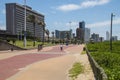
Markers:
65,26
3,11
75,24
68,7
72,24
2,27
53,12
92,3
57,23
85,4
104,23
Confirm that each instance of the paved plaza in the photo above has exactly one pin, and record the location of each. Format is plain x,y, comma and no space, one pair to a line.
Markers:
48,64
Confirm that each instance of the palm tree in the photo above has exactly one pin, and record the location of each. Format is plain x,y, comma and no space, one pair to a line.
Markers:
67,35
43,25
53,36
48,33
28,33
32,19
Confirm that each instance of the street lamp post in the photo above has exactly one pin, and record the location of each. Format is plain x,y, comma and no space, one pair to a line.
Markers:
70,24
43,33
70,30
21,31
43,24
25,25
52,37
112,15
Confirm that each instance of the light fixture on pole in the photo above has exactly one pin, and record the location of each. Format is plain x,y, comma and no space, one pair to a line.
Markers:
112,15
70,30
43,24
25,24
70,24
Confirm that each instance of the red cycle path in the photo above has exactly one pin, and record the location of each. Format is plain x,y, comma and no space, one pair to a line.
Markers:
57,48
12,65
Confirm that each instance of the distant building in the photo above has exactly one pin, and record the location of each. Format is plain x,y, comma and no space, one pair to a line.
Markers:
114,38
2,31
80,32
101,39
87,35
95,37
107,36
15,15
82,25
63,34
73,35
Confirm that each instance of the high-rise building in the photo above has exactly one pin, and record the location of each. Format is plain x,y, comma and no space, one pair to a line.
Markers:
87,35
82,25
71,36
15,20
80,32
107,36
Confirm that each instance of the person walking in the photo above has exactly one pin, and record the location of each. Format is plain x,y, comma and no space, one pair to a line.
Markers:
61,47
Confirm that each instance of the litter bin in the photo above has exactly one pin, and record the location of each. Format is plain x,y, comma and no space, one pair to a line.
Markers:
11,49
40,47
84,48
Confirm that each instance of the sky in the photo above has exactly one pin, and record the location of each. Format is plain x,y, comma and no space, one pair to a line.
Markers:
59,13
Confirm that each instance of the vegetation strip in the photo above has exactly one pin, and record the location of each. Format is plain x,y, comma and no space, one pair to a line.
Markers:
109,61
75,70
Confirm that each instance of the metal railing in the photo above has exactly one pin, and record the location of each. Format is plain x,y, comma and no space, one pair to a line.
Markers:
97,70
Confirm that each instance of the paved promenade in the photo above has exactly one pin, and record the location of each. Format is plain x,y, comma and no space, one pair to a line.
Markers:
48,64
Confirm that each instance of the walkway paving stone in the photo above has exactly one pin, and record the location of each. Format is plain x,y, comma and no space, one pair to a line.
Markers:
10,66
48,64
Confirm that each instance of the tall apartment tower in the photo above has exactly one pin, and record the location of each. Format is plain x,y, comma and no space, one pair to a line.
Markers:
15,20
80,32
82,25
107,36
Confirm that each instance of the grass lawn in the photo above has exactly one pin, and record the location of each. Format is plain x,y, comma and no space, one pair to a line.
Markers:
83,52
30,44
75,70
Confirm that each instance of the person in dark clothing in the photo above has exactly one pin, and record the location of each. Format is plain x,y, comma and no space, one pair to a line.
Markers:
61,47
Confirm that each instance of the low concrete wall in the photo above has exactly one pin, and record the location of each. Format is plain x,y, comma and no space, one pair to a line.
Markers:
6,46
97,70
